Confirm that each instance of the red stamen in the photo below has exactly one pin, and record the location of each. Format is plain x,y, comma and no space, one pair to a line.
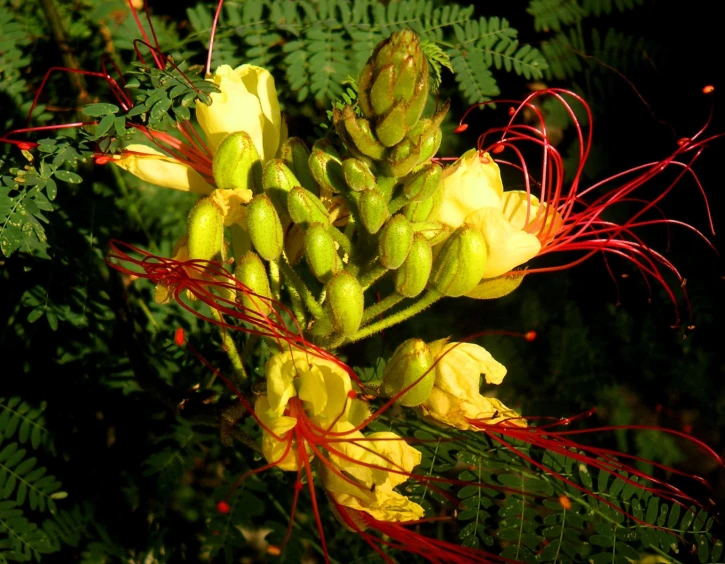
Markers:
222,507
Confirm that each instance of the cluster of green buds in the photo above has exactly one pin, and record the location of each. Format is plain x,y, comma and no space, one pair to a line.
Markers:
318,227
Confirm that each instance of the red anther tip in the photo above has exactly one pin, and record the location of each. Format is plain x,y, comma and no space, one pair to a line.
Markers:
709,89
299,486
179,337
102,159
530,336
512,111
497,149
683,141
565,502
461,128
352,394
691,327
222,507
26,146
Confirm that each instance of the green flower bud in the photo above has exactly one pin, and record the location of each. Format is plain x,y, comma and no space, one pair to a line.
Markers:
326,167
237,165
358,131
251,272
265,228
205,229
395,241
358,175
402,158
416,105
424,183
411,365
277,181
429,145
305,208
458,268
321,253
412,276
345,301
373,210
391,129
364,83
382,95
296,156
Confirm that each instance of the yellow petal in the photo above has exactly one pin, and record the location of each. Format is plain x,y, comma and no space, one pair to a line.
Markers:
247,101
395,454
458,367
232,203
472,182
507,246
154,167
280,372
311,389
524,211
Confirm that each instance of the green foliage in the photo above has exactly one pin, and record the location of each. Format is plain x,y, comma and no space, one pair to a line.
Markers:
319,44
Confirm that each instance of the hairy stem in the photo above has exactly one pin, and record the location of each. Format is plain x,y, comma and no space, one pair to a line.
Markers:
307,298
240,374
381,307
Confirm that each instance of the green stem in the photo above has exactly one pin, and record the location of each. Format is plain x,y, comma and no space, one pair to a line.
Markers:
231,349
429,298
307,298
397,203
275,282
369,277
341,240
297,306
381,307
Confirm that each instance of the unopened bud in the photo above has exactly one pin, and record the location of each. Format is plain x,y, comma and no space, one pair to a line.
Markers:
205,229
305,208
265,228
326,167
412,276
382,95
433,231
346,302
358,175
411,365
373,210
458,268
236,164
402,158
320,252
395,241
277,181
429,145
359,132
391,129
250,271
424,183
296,155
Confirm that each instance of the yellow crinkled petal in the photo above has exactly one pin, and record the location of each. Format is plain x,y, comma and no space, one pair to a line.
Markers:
280,372
507,246
359,411
395,454
471,183
154,167
351,454
456,412
459,367
247,102
543,220
274,435
312,390
338,386
232,203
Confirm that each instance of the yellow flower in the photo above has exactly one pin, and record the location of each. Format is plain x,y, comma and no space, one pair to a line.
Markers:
247,102
380,462
513,224
456,397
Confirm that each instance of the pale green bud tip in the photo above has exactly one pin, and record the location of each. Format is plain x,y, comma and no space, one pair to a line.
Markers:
250,271
236,164
412,277
277,181
205,229
358,175
325,166
346,303
296,156
265,228
410,366
320,252
460,263
395,242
